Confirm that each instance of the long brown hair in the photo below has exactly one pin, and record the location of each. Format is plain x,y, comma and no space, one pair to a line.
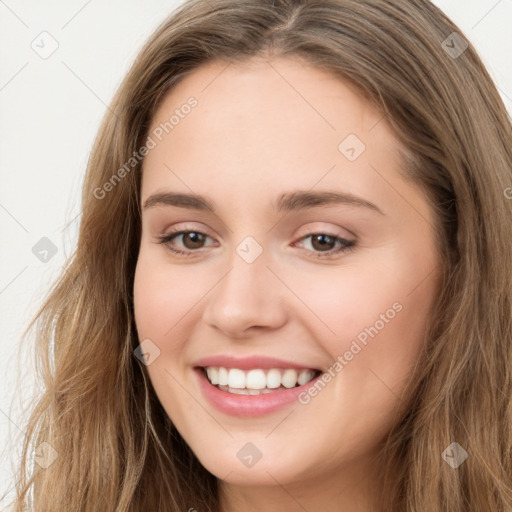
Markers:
117,449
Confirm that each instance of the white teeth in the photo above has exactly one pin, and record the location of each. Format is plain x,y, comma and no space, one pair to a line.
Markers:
239,391
223,376
273,379
289,378
305,376
257,381
213,375
236,378
245,391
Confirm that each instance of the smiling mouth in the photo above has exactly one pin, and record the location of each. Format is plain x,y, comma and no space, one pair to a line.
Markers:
257,381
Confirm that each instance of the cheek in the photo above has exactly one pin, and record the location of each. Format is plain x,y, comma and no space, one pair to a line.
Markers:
164,300
162,296
373,314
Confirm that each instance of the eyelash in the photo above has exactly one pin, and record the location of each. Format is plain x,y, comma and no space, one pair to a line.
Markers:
348,245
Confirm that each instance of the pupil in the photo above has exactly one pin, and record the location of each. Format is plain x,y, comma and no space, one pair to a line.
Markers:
323,242
196,239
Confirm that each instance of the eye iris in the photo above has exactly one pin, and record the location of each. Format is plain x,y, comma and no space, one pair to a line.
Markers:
197,239
323,244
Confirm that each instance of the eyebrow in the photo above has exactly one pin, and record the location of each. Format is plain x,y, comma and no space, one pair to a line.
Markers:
291,201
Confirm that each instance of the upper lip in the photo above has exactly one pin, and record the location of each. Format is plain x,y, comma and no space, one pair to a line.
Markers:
248,363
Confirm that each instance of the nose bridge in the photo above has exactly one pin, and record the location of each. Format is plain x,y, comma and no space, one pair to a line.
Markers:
248,263
246,295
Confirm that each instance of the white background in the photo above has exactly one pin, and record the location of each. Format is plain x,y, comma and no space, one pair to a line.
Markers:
50,110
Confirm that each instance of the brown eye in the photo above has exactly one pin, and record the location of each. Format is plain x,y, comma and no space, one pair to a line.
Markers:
193,239
191,242
323,242
323,245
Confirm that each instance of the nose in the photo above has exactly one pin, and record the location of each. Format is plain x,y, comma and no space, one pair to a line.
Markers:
248,298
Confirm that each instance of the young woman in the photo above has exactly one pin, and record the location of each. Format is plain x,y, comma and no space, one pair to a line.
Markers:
291,289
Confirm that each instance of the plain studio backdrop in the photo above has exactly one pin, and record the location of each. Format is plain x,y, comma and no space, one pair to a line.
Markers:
61,62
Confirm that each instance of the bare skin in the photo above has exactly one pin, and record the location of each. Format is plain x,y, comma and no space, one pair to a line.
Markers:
259,130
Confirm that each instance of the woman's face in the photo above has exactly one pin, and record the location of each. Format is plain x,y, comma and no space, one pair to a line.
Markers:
316,252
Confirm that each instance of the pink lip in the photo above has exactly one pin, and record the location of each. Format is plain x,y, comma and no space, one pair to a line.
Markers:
248,363
249,406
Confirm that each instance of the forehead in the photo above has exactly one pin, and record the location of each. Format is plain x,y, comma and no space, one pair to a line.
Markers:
278,89
263,124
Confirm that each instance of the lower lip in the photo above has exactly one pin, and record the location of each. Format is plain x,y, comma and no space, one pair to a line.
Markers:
249,406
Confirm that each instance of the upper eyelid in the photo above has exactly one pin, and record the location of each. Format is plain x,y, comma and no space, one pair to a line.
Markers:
181,231
310,231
